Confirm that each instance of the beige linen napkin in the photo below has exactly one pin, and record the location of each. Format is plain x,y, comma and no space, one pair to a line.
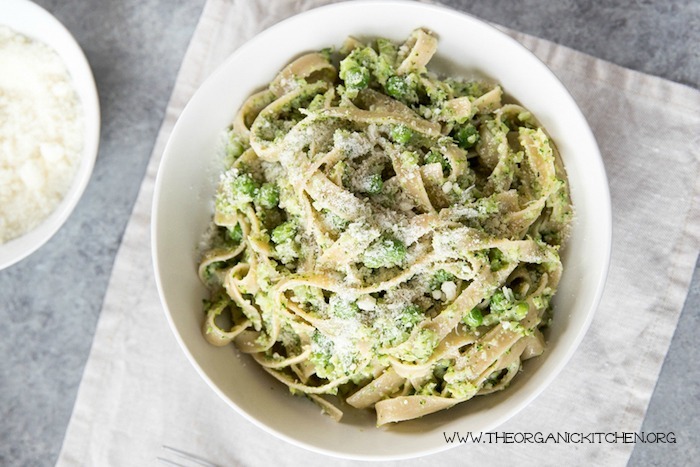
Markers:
139,392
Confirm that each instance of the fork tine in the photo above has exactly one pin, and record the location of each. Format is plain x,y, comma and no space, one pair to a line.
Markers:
186,455
165,461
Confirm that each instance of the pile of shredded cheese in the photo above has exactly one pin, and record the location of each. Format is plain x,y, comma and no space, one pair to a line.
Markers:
41,133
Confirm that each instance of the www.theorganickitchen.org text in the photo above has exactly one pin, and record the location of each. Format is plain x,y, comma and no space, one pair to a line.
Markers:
566,437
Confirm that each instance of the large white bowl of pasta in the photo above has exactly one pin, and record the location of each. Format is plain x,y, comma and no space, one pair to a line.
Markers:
386,220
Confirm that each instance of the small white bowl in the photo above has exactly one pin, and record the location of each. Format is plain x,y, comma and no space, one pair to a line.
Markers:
182,209
33,21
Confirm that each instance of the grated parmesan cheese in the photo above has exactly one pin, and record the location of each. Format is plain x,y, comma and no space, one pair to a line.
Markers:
41,133
367,303
449,288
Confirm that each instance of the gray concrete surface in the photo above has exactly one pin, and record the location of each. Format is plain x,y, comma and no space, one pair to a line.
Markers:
50,302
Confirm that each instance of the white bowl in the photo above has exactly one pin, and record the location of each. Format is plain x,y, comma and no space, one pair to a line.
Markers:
33,21
182,209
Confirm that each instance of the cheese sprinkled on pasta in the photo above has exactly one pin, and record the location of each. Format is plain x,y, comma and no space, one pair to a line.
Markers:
384,234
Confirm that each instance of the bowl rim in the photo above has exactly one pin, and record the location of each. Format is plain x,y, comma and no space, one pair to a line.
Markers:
605,218
33,21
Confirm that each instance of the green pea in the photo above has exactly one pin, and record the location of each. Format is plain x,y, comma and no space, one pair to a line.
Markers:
519,311
269,195
283,232
474,318
401,134
244,185
397,87
357,77
385,252
374,184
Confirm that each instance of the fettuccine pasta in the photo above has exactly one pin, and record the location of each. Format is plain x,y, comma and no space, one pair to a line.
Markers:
383,234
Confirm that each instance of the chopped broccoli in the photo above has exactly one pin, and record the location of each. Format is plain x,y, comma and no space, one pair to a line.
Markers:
330,361
541,301
487,206
287,251
321,353
343,309
333,221
508,308
439,277
395,328
409,317
244,186
234,148
424,344
461,389
373,184
433,157
436,93
327,52
409,158
384,64
496,259
310,296
466,136
468,88
317,102
236,190
235,233
387,50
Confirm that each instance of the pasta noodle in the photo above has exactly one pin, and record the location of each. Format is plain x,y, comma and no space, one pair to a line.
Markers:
384,234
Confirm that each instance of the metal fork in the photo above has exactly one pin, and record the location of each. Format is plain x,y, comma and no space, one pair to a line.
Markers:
192,459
